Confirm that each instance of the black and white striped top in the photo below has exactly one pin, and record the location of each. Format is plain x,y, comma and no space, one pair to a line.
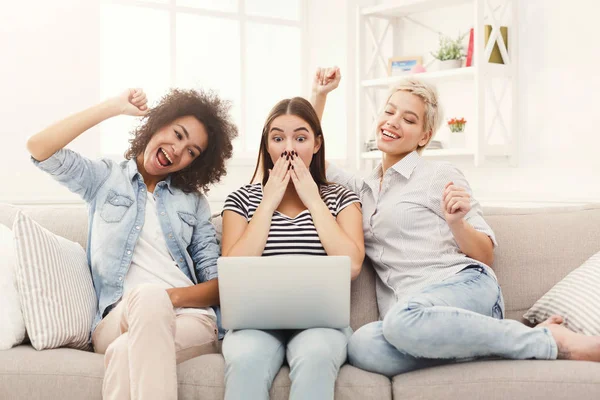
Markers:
288,235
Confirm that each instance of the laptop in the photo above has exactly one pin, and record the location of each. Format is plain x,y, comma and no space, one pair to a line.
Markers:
284,292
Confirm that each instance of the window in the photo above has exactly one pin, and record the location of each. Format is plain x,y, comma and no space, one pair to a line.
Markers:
248,51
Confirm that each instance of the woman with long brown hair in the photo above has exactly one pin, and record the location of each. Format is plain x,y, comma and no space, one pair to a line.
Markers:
292,210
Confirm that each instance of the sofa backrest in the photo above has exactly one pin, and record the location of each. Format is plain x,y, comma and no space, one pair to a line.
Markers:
536,249
69,222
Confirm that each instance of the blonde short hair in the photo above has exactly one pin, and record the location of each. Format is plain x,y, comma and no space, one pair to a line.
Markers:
428,93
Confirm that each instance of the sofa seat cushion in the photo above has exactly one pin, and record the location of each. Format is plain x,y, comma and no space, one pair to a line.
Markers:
203,377
26,373
502,379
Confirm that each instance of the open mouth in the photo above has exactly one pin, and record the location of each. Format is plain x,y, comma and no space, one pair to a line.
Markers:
163,158
389,134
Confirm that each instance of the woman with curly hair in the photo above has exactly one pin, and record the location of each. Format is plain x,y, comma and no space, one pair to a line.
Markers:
151,247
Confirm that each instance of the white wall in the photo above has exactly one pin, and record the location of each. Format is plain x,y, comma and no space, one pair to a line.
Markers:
558,138
50,68
558,82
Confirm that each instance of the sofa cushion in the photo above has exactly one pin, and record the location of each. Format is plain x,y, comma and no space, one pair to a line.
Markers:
539,247
73,374
363,299
68,221
502,379
55,287
203,377
576,298
12,325
26,373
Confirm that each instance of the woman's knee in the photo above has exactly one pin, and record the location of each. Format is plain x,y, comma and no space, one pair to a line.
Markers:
318,347
117,351
152,299
399,326
252,350
362,346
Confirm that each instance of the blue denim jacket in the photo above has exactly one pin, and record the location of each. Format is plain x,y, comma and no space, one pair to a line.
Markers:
116,198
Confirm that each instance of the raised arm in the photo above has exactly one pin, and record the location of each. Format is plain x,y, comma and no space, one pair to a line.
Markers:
47,142
324,81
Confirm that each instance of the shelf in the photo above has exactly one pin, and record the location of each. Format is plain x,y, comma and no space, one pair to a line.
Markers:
445,75
408,7
488,91
376,155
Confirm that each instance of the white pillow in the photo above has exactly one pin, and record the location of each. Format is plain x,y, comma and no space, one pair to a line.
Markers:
576,298
55,287
12,325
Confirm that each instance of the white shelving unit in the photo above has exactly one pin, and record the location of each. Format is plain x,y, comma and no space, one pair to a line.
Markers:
488,98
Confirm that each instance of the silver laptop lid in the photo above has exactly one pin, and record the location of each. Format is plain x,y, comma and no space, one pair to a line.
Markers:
284,292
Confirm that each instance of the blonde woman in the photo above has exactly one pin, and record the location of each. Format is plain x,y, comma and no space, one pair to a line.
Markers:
426,237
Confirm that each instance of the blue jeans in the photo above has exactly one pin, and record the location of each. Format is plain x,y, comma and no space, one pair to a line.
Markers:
458,319
253,359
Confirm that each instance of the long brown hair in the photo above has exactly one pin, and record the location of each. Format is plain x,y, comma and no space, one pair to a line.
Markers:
300,108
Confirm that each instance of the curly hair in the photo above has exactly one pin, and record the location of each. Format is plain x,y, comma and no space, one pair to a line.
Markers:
213,113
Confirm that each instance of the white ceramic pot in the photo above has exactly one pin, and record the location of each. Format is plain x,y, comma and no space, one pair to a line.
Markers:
457,140
450,64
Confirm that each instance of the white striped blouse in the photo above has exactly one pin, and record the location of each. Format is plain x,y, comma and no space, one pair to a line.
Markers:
407,237
288,235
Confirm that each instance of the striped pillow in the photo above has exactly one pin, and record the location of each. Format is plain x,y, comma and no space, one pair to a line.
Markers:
576,298
55,287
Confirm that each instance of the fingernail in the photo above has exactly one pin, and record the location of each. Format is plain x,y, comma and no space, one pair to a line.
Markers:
283,154
289,167
287,157
292,167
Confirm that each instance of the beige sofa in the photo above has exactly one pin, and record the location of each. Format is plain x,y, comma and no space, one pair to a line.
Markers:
537,248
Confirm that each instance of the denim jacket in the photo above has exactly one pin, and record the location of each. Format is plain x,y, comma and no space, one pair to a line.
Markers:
116,199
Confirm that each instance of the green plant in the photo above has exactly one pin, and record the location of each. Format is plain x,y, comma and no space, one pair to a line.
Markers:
450,49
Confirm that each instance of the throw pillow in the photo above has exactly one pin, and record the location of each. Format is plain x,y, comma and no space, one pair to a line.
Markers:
55,287
576,298
12,326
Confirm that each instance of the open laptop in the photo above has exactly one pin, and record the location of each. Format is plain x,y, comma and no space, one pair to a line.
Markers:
284,292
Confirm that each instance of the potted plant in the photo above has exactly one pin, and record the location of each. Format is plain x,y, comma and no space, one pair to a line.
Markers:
457,125
457,132
450,52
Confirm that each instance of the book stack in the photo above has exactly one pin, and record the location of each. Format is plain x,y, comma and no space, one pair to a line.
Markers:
371,145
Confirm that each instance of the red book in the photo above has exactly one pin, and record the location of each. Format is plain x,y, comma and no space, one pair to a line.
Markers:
470,50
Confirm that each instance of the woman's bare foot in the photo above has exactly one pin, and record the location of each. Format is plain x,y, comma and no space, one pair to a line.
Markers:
571,345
